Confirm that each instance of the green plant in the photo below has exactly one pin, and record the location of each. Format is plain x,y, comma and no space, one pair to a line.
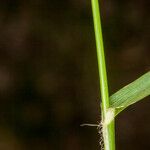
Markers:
113,105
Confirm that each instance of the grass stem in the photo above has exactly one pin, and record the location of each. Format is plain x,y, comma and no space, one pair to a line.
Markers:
108,130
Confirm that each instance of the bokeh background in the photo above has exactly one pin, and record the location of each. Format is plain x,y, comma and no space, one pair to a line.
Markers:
49,81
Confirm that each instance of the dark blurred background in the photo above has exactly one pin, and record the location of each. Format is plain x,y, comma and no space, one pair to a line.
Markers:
49,81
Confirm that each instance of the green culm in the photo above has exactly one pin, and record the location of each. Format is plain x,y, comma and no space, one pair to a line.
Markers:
128,95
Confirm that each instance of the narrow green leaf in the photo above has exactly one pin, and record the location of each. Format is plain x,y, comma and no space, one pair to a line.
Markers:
131,93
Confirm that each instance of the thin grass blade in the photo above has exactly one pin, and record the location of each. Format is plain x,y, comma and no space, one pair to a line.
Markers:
131,93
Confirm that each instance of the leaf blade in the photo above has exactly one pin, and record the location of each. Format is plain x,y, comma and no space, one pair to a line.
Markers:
131,93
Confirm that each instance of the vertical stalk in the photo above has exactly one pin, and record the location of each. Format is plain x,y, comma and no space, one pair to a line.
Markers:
108,130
